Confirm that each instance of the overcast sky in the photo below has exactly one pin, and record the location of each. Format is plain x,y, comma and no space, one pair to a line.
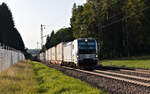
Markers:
29,14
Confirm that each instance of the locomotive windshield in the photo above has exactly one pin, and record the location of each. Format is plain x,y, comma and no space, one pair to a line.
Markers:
87,46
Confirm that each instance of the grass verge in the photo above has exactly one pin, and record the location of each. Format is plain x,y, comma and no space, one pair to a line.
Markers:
52,81
18,79
35,78
130,63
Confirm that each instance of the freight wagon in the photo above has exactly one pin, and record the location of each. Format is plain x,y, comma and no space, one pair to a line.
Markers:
59,52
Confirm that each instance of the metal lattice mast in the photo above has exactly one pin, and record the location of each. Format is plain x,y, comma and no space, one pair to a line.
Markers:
41,36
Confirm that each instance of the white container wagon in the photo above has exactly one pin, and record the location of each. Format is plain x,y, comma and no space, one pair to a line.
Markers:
59,52
67,48
46,55
42,56
49,55
53,55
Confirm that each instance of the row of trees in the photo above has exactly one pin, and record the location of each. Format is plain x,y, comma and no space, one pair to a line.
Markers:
121,27
9,35
62,35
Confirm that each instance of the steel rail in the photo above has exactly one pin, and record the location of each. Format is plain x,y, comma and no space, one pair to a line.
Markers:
124,75
141,72
112,77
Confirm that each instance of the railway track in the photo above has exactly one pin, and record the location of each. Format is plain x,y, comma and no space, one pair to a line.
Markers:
137,71
141,70
115,82
127,78
113,75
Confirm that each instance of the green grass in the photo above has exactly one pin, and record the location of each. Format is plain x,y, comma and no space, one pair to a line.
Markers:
52,81
143,62
18,79
35,78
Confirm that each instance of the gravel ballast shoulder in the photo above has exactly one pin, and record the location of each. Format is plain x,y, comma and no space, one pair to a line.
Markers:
107,84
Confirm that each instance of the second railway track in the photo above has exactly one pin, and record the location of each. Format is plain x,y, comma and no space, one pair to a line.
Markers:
111,81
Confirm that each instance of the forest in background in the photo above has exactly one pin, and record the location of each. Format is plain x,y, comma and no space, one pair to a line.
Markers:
121,27
9,34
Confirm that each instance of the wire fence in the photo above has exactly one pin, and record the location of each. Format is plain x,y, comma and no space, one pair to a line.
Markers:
9,56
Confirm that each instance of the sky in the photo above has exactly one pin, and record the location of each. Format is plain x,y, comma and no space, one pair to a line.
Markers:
30,14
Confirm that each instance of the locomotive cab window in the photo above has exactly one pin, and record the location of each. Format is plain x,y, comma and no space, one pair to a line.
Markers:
87,47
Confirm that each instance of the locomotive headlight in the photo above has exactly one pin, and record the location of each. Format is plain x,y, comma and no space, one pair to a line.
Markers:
77,56
96,56
86,40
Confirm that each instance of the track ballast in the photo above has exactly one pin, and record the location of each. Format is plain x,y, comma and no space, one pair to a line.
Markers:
115,81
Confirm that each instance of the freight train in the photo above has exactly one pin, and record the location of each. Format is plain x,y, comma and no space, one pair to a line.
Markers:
82,52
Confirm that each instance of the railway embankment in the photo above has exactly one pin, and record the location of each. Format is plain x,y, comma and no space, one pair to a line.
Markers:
112,79
30,77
